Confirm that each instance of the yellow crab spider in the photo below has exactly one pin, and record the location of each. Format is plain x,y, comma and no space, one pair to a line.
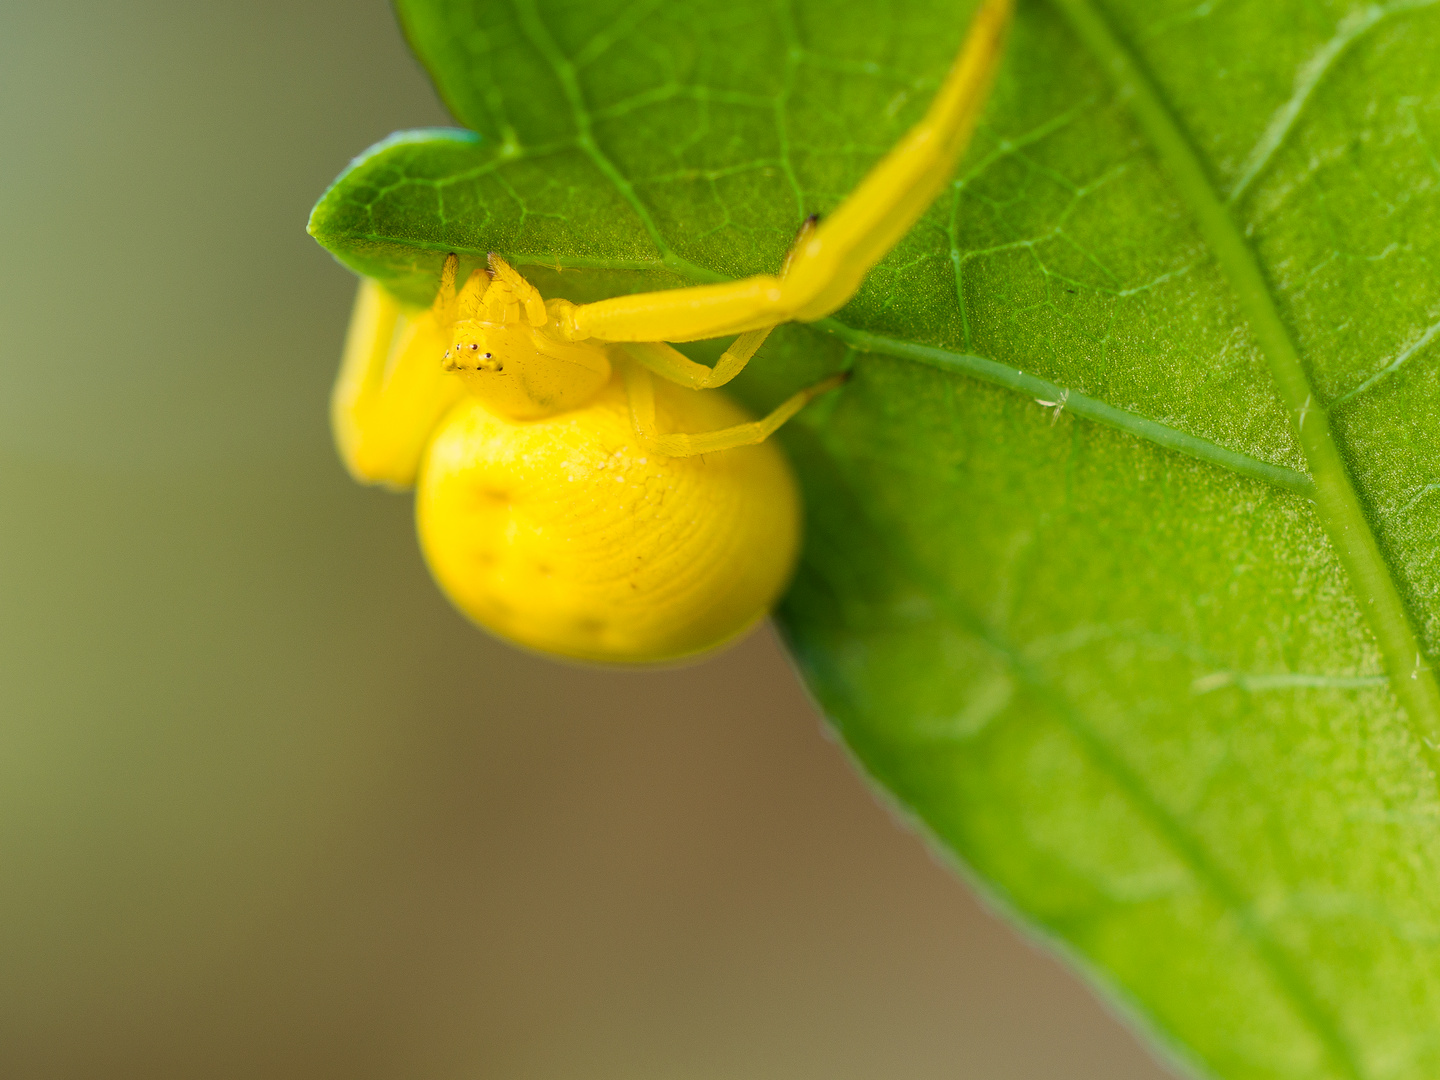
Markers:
568,502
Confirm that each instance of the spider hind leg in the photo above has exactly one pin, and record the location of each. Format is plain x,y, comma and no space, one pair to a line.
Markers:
641,392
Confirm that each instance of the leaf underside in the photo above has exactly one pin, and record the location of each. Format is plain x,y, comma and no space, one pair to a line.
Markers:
1099,643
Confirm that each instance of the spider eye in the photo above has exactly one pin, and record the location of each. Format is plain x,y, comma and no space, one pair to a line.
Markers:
487,356
473,347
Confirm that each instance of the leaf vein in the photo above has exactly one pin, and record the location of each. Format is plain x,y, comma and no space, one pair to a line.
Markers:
1395,365
1311,74
533,27
1072,401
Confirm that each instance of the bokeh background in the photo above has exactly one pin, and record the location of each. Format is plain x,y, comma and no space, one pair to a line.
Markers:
268,808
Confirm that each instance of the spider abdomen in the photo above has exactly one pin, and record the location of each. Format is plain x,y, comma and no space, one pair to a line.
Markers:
565,535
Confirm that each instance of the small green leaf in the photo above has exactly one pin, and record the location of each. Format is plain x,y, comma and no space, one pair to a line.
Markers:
1091,586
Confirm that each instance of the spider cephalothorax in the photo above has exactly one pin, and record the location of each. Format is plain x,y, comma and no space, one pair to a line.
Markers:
500,347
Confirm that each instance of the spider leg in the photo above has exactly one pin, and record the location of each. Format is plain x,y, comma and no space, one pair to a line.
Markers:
467,304
641,392
830,263
670,363
525,294
392,390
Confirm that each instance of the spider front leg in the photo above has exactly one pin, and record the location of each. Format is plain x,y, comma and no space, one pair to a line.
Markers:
829,266
641,392
670,363
392,390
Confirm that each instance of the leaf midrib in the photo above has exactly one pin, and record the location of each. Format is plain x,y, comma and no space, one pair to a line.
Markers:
1337,503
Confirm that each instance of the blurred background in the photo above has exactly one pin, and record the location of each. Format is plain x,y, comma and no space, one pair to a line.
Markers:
267,806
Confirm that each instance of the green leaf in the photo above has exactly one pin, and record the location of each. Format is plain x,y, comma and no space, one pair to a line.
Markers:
1147,654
